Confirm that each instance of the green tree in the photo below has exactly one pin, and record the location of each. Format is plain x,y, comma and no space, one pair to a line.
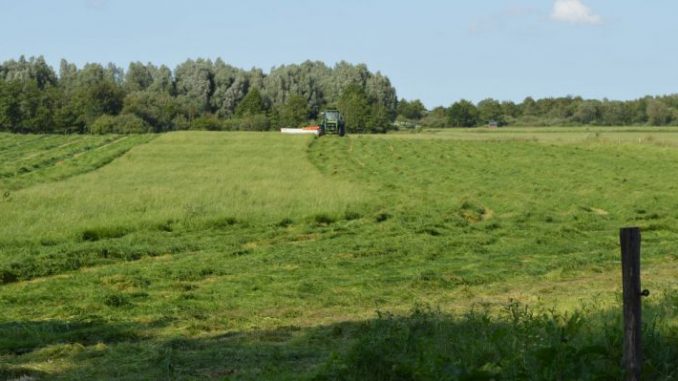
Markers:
588,112
25,107
37,108
252,104
379,119
195,80
354,106
68,74
658,114
95,99
310,80
380,91
10,111
529,107
436,118
138,77
463,114
163,80
158,109
294,112
615,113
490,110
231,85
412,110
33,69
88,94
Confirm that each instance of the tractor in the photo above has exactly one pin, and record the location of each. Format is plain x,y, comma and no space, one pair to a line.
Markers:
332,123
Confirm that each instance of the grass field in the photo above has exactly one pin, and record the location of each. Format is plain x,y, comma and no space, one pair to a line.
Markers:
465,254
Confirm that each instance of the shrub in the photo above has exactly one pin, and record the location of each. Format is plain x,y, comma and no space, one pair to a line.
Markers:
519,344
209,123
119,124
258,122
255,123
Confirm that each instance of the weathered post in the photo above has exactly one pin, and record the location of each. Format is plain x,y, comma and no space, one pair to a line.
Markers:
630,250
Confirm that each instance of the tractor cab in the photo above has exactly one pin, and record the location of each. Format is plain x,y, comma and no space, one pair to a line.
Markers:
332,123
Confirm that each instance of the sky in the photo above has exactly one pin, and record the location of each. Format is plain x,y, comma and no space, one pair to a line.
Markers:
438,51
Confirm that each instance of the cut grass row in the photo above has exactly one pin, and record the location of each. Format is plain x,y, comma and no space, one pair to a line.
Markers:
38,159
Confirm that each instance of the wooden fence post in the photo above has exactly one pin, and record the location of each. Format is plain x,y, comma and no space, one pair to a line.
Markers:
630,250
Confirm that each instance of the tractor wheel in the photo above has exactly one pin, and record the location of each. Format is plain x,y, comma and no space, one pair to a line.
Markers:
342,130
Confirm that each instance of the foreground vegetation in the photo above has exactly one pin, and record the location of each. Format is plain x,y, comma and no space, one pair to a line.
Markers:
443,255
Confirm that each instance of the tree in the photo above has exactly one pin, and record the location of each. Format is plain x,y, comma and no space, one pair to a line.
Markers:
306,80
36,108
25,107
94,92
195,80
119,124
252,104
95,98
163,81
379,119
436,118
354,106
158,109
33,69
229,93
343,76
414,110
616,113
658,114
68,74
10,111
294,112
379,91
529,107
490,110
463,114
138,77
588,112
510,110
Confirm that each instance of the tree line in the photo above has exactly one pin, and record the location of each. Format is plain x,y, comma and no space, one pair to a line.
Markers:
561,111
197,94
212,95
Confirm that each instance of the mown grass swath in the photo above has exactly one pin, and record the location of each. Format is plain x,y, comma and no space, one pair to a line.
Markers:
445,255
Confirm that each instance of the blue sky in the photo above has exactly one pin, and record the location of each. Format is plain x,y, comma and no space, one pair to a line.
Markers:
436,50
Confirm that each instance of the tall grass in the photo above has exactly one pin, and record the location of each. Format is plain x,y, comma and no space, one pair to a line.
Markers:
517,344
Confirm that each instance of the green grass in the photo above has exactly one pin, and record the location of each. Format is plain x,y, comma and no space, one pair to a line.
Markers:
32,159
259,256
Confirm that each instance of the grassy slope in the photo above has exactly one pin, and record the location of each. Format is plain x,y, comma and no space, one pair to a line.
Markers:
248,255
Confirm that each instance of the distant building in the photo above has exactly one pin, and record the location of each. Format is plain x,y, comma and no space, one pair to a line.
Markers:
492,124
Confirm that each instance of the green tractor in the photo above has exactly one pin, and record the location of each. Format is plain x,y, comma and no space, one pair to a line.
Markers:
332,123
